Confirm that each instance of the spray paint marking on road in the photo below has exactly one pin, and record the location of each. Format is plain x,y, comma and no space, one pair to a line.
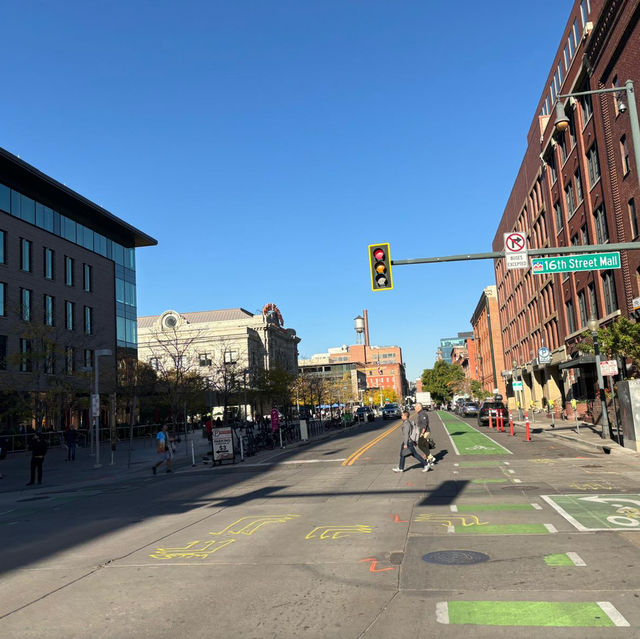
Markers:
339,531
374,563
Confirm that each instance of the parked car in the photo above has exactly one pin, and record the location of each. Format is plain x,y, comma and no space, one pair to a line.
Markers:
469,409
391,411
490,405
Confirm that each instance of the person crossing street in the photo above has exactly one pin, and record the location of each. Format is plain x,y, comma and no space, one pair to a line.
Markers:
409,439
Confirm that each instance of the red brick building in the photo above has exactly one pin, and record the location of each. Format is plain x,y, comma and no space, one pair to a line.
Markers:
573,188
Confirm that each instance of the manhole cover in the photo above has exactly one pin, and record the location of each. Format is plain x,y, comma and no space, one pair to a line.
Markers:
455,557
520,487
33,498
396,558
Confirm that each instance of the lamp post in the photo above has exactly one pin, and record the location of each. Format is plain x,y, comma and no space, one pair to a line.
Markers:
95,400
592,325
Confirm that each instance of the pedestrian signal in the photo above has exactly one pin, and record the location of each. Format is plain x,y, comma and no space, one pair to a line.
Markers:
380,267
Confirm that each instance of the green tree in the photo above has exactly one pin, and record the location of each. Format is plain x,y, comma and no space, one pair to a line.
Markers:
387,395
478,391
442,380
618,339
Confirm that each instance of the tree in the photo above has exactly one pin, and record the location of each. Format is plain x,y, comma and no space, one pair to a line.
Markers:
376,396
618,339
442,380
478,391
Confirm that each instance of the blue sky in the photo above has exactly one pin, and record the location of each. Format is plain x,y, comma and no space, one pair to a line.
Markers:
266,143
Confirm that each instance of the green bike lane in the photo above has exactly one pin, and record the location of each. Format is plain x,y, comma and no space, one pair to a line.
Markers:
467,440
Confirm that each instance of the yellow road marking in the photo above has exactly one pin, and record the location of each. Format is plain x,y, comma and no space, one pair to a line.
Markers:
349,461
336,532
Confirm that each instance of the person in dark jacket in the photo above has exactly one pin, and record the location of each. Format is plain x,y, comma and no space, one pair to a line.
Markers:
71,439
409,439
421,420
38,450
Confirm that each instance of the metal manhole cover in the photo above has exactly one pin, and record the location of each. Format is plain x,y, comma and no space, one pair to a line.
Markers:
396,558
455,557
33,498
520,487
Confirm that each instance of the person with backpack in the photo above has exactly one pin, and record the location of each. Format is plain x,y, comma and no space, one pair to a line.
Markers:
421,420
164,449
410,435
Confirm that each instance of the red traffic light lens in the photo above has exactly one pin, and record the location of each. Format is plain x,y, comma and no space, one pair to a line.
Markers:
378,254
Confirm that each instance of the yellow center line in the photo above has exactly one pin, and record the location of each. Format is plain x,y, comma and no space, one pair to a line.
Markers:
349,461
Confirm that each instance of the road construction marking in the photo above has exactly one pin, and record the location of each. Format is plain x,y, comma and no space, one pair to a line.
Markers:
488,481
349,461
191,550
374,563
604,485
339,531
473,507
467,440
448,520
248,525
589,513
510,529
568,614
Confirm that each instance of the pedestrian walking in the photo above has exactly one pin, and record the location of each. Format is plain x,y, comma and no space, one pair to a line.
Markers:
38,450
164,449
421,420
409,438
71,440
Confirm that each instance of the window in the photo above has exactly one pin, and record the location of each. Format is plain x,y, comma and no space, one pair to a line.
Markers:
48,263
634,217
3,352
230,357
571,318
87,276
50,360
562,145
3,247
69,360
593,165
68,270
557,209
582,307
624,152
587,108
602,230
154,362
204,359
25,255
3,299
550,159
572,129
584,234
88,320
593,300
575,240
49,310
570,199
579,196
609,292
68,315
88,358
25,355
25,304
576,33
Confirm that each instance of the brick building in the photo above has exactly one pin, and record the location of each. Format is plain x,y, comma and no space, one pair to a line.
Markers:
574,187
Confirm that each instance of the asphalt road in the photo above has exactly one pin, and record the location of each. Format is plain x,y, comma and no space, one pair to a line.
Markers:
325,540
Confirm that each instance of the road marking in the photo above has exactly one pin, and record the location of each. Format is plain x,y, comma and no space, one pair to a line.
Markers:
363,449
471,440
374,563
397,520
447,520
568,614
336,532
248,525
453,508
512,472
537,506
507,529
592,513
517,481
551,528
558,560
577,560
489,481
455,448
473,507
191,550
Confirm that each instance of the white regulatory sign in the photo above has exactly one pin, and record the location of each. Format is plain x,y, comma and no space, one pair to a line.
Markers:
636,303
515,250
609,367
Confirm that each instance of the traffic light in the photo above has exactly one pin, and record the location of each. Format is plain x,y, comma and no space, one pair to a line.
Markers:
380,267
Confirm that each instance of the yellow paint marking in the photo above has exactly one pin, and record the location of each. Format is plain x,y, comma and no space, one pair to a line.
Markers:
349,461
542,461
190,551
450,520
592,486
336,532
252,524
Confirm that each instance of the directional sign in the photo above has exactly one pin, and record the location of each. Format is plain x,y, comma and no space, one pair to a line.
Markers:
515,250
517,386
544,355
573,263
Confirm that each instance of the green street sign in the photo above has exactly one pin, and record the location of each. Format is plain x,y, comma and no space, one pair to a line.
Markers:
516,386
573,263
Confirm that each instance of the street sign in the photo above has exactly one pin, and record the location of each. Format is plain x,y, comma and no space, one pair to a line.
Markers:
636,303
517,386
574,263
609,367
222,443
515,250
275,419
544,355
95,404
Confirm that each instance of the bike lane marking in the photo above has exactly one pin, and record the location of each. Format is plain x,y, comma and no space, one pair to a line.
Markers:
470,441
593,513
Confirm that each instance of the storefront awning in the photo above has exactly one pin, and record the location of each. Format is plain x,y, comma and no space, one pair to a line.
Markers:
579,362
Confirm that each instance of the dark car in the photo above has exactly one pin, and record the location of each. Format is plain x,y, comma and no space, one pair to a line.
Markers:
364,414
391,411
493,406
469,409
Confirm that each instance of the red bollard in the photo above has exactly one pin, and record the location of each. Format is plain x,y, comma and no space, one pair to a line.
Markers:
490,420
526,423
511,423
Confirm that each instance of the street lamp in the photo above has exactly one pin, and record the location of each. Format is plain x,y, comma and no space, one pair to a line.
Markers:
95,400
592,325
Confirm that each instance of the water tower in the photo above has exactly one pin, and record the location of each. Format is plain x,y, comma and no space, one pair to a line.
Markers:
358,324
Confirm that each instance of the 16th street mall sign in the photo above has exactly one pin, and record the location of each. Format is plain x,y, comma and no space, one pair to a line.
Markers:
572,263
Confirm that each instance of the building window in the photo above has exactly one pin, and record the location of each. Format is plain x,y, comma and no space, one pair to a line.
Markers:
3,299
68,315
48,263
593,300
154,362
69,360
551,163
25,304
49,310
562,145
584,234
204,359
25,255
634,217
557,209
88,358
50,360
582,307
579,196
575,240
593,165
3,352
3,247
88,320
25,355
571,318
609,292
624,152
68,270
87,277
587,108
570,199
230,357
602,230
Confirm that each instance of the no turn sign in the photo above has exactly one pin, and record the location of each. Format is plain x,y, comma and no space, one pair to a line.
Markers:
515,250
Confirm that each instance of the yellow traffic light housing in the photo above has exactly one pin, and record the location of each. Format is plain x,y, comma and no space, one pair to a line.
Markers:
380,267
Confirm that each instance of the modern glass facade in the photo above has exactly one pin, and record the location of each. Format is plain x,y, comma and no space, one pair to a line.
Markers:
33,212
